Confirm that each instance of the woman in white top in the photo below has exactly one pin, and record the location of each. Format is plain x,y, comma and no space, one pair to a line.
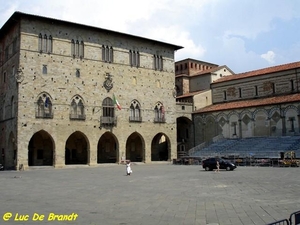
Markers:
128,168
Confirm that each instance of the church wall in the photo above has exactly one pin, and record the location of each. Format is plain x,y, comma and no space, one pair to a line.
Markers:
250,122
252,87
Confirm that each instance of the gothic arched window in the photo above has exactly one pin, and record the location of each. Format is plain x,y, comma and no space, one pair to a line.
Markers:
135,112
108,112
45,44
77,109
159,113
44,107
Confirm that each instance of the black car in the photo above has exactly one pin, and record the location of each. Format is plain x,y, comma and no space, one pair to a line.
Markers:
211,163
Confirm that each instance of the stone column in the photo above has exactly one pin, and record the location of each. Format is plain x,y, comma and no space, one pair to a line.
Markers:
93,152
283,125
59,155
147,151
240,128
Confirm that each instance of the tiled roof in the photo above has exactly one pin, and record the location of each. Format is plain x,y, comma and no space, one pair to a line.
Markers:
259,72
195,61
190,94
203,72
181,75
251,103
214,69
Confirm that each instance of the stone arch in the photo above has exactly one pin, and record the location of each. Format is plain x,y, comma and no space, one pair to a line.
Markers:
160,148
289,107
246,123
184,135
275,120
222,123
199,119
233,123
258,111
220,116
210,127
234,113
291,120
107,42
77,149
199,126
108,148
274,109
135,148
41,149
246,112
261,123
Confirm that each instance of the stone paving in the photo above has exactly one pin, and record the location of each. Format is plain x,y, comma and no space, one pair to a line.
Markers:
158,194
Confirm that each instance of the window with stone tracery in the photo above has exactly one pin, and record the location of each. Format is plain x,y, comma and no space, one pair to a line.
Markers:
44,107
158,62
77,48
134,58
45,43
159,113
107,54
135,111
77,109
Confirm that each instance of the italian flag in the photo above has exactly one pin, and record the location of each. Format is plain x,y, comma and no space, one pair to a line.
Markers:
117,103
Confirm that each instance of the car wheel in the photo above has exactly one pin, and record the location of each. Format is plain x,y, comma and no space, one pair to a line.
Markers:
207,168
228,168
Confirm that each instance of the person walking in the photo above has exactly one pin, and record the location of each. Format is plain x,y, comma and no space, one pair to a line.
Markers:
128,168
218,166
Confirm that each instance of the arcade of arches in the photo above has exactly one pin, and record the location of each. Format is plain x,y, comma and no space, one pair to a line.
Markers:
41,149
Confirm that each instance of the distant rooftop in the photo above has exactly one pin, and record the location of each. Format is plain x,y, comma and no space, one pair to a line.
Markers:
260,72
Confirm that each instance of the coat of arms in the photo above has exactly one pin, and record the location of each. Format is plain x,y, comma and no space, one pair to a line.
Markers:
108,84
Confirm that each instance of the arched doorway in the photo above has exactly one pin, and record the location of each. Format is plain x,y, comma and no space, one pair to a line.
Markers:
107,149
40,149
135,148
160,148
76,151
184,136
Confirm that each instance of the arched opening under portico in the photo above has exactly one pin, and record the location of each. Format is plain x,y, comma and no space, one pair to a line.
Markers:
160,148
76,151
135,148
107,149
41,149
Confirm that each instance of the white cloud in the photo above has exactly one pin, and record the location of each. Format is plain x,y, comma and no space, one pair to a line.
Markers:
217,31
190,48
269,56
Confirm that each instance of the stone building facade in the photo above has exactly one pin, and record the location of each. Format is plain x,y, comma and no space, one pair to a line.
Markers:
192,84
61,84
258,103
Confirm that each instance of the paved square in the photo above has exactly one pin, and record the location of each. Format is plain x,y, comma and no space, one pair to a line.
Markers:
158,194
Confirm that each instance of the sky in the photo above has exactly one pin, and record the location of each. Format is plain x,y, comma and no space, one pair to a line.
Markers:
244,35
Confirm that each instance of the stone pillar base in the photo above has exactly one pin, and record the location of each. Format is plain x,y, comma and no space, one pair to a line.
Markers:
59,166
